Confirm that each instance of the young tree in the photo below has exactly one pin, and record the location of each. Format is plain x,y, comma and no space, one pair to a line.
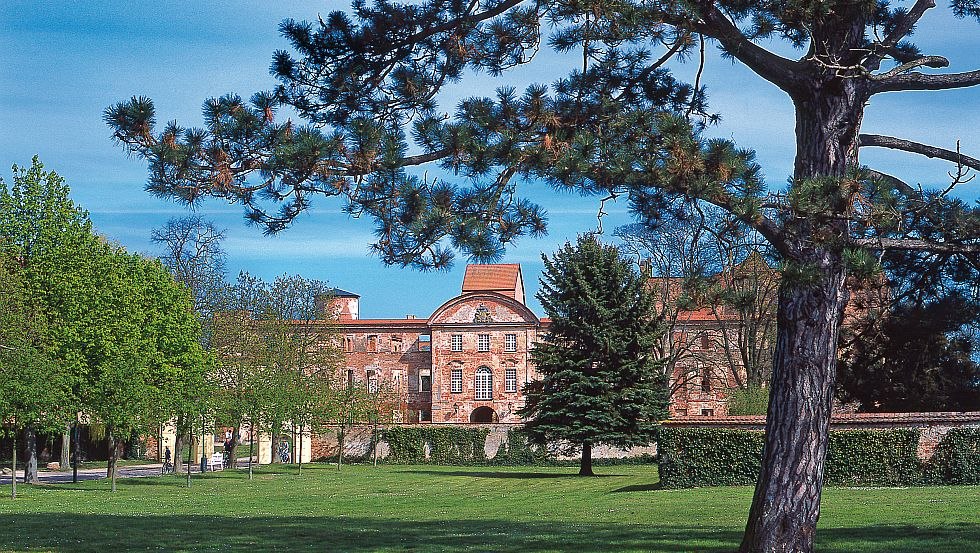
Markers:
600,382
44,239
618,125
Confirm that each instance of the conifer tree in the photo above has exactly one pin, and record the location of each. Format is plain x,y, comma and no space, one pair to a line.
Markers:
600,382
366,84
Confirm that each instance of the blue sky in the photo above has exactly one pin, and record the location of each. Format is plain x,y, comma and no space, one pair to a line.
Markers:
64,62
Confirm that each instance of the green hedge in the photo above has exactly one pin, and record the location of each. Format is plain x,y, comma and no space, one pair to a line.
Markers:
693,457
956,459
447,445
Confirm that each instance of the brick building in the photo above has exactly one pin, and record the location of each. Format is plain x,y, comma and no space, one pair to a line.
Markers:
467,362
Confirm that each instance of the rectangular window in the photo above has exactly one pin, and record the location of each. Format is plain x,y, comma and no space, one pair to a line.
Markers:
705,380
457,342
483,342
705,341
396,343
350,377
707,412
372,343
425,384
349,343
510,342
510,379
456,381
372,378
425,342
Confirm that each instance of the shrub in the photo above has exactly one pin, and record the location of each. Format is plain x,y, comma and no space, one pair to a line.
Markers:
957,458
748,401
692,457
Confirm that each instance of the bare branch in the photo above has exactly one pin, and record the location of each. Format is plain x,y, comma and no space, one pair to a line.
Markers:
922,81
918,148
901,30
935,62
915,244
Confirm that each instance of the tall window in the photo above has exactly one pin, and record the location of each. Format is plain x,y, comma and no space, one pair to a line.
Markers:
396,343
484,384
705,380
705,341
348,343
510,379
425,384
510,342
372,378
456,381
483,342
372,343
457,342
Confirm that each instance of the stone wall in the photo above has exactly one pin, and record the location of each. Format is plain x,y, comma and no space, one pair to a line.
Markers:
932,426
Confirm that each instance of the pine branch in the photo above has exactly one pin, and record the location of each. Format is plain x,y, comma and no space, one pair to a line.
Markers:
915,244
918,148
922,81
901,30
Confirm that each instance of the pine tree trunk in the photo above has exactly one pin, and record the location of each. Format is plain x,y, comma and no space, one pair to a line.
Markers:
65,458
786,505
30,465
585,467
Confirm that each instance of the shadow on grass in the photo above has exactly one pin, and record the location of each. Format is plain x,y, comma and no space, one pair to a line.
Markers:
640,488
79,533
505,474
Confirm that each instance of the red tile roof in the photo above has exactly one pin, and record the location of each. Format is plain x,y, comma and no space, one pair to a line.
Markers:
501,278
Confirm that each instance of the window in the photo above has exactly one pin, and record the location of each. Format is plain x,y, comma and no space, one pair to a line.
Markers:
510,379
349,343
705,380
350,377
705,341
510,342
457,342
425,384
707,412
425,415
396,343
372,378
372,343
456,381
484,384
483,342
425,342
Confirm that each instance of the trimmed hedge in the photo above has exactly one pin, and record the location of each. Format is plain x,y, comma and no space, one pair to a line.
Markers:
956,459
694,457
446,445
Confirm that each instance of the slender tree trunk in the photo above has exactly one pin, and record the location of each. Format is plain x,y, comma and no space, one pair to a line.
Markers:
340,446
251,446
179,424
13,473
786,505
299,449
113,458
374,444
30,466
190,454
76,450
585,467
236,436
65,458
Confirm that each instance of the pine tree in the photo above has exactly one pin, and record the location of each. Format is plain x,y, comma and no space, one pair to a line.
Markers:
620,124
600,382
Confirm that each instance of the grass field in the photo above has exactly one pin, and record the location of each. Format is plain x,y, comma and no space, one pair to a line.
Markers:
452,509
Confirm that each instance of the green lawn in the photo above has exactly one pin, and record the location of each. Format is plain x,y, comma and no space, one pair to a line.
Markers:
400,508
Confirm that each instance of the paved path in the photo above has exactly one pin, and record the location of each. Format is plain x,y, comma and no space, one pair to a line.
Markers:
131,471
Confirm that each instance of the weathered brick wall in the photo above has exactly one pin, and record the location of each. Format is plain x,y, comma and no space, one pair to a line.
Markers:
932,426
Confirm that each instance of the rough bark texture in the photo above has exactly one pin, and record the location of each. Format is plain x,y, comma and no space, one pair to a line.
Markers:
30,466
786,505
585,467
65,458
13,465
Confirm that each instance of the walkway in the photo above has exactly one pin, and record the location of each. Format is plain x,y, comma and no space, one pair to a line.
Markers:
131,471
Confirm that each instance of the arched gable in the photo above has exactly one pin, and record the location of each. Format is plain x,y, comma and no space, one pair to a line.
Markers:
483,308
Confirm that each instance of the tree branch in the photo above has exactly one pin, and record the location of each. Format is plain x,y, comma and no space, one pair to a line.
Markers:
917,148
454,23
915,244
903,28
921,81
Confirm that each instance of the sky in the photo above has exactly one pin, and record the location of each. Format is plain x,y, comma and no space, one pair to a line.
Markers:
63,63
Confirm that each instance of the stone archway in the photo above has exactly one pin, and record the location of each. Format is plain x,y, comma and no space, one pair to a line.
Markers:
484,415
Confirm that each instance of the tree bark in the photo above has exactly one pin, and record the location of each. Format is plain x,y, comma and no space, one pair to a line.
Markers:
585,466
299,449
113,458
251,446
30,465
65,458
190,453
786,505
340,446
236,436
13,469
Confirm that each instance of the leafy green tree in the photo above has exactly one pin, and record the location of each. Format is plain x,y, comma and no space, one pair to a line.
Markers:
43,238
600,382
366,84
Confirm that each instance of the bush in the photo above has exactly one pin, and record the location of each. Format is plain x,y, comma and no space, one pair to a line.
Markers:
956,459
748,401
445,445
692,457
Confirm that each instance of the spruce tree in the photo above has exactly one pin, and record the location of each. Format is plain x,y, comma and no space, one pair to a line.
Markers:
599,381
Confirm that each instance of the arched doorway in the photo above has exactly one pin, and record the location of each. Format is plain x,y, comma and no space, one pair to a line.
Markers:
484,415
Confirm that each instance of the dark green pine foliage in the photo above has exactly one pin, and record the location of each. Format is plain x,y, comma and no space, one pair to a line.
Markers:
599,382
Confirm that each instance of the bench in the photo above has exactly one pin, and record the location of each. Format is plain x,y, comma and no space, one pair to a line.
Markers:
216,462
